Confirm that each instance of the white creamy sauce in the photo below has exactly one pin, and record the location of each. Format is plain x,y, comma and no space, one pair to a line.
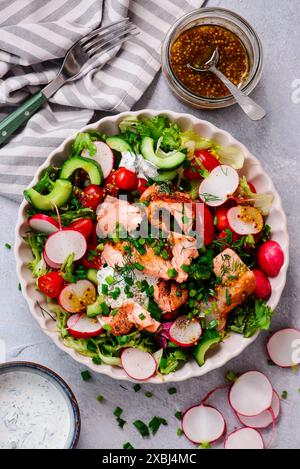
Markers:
138,164
33,412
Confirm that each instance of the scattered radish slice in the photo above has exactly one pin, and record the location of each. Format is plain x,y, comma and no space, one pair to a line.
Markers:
75,297
245,220
138,364
43,223
53,265
264,419
284,347
61,244
82,327
244,438
203,424
222,182
104,157
251,394
185,331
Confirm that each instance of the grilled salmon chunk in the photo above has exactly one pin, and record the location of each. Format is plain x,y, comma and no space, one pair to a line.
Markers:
131,315
184,250
113,212
169,296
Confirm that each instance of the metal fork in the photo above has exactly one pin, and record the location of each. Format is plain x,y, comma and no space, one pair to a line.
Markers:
96,42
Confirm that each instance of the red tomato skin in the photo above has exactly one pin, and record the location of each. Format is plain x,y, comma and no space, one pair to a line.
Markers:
209,161
110,187
92,196
270,258
83,225
141,186
192,173
209,229
251,187
222,222
263,287
96,262
125,179
51,284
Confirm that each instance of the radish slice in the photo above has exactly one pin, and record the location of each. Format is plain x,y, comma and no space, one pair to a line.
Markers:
185,331
203,424
251,394
61,244
284,347
53,265
75,297
244,438
104,157
43,223
82,327
264,419
138,364
222,182
245,220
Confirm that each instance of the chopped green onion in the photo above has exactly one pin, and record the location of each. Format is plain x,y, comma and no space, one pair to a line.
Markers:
172,390
128,445
121,422
97,360
142,316
284,395
109,279
7,245
104,289
86,375
148,394
138,266
179,432
178,415
137,387
118,411
231,377
100,398
141,427
155,423
19,287
172,273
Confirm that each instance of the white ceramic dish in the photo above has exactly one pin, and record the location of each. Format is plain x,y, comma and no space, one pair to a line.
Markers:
232,346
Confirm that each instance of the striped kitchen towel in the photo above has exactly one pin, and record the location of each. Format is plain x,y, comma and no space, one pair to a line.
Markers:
34,36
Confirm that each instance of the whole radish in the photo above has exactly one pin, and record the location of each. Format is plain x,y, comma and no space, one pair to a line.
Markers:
263,287
270,258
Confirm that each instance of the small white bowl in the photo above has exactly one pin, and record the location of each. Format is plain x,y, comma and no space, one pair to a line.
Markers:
253,170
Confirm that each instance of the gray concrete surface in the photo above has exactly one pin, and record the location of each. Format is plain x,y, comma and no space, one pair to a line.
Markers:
275,141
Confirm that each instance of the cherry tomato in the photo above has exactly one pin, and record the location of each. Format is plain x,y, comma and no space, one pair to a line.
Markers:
208,161
270,258
223,235
92,196
222,222
110,187
125,179
84,226
251,187
51,284
92,258
141,185
263,287
192,172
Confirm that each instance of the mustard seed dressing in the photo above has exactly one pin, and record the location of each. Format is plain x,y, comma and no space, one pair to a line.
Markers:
195,46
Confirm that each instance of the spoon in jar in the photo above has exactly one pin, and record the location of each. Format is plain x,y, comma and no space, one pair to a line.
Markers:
253,110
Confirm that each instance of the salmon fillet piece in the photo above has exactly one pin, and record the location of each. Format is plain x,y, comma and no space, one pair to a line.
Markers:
154,266
113,255
184,250
131,315
113,212
166,295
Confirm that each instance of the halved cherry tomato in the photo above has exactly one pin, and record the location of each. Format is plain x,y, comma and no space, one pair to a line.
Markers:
51,284
208,161
125,179
83,225
251,187
192,172
91,196
110,187
222,222
92,258
141,185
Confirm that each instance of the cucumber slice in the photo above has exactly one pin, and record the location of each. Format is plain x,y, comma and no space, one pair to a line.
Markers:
118,144
172,161
78,162
208,339
92,276
166,175
95,308
58,196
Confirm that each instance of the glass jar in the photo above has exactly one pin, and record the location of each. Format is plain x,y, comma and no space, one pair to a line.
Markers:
231,21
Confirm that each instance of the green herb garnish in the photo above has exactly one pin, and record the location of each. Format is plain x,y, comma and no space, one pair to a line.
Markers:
141,427
155,423
86,375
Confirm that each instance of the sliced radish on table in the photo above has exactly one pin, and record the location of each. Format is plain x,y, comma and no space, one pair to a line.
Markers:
244,438
104,157
284,347
251,394
185,331
43,223
138,364
75,297
245,220
203,424
82,327
61,244
53,265
222,182
266,418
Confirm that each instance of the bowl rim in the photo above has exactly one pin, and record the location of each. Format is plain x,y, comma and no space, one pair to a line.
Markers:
108,369
65,388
